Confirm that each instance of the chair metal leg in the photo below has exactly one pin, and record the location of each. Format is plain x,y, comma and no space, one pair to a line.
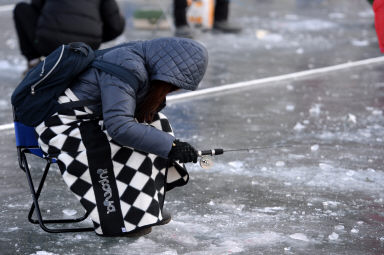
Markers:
35,205
38,192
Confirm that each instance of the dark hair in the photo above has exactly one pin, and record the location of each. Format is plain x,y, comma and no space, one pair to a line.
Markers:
155,97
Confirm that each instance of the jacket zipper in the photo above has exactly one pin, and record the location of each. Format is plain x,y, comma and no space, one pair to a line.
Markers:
50,71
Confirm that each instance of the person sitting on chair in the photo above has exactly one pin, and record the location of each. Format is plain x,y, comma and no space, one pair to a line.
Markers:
44,25
119,156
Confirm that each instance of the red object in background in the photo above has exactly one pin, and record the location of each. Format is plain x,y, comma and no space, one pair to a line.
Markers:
378,8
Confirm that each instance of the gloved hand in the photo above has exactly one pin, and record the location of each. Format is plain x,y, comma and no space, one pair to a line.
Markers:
183,152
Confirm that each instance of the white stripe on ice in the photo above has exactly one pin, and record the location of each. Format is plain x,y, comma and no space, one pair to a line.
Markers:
258,82
6,126
263,81
6,8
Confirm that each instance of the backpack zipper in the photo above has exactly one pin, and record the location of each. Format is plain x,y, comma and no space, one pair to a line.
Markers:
42,68
50,71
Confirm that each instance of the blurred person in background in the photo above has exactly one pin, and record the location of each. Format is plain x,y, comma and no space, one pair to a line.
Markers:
44,25
220,23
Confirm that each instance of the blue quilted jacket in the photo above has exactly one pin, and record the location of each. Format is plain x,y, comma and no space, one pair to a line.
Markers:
181,62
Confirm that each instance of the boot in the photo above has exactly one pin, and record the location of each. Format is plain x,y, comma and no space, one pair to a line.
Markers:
226,27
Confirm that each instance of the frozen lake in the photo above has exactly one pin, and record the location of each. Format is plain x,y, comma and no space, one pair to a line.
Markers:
320,191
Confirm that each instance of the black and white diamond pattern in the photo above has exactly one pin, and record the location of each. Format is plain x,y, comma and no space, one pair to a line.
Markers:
139,196
140,177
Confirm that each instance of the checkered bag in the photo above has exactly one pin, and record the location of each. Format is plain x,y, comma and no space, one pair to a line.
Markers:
123,189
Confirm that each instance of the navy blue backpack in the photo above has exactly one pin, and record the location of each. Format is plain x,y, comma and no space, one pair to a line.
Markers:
35,98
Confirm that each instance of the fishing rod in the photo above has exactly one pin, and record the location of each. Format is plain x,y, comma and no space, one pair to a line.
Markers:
206,161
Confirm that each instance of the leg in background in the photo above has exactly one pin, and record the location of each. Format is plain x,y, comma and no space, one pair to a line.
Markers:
25,18
221,10
221,18
180,19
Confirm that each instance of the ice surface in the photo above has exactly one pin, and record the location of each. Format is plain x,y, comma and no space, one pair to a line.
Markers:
290,107
290,87
44,253
69,212
260,33
352,118
298,25
270,209
325,175
299,127
359,43
330,204
366,13
325,166
12,66
273,201
336,15
334,236
315,109
299,236
300,51
236,164
12,229
315,147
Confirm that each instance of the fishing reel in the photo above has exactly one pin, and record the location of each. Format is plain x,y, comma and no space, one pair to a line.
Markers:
206,161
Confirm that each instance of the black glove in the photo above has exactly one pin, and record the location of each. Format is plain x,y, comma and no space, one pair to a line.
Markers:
183,152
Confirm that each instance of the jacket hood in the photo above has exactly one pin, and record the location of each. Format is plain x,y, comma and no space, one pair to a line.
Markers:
179,61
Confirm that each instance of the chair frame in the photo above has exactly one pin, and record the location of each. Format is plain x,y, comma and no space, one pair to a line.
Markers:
35,207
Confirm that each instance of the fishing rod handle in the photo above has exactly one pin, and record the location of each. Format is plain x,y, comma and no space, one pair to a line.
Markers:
210,152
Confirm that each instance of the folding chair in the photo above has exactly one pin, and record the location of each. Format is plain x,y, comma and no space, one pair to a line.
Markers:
26,143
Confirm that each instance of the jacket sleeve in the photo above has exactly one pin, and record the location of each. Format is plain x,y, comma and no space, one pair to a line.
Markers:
119,103
113,21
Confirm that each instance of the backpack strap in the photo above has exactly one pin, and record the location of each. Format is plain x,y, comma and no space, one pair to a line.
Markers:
117,71
112,69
